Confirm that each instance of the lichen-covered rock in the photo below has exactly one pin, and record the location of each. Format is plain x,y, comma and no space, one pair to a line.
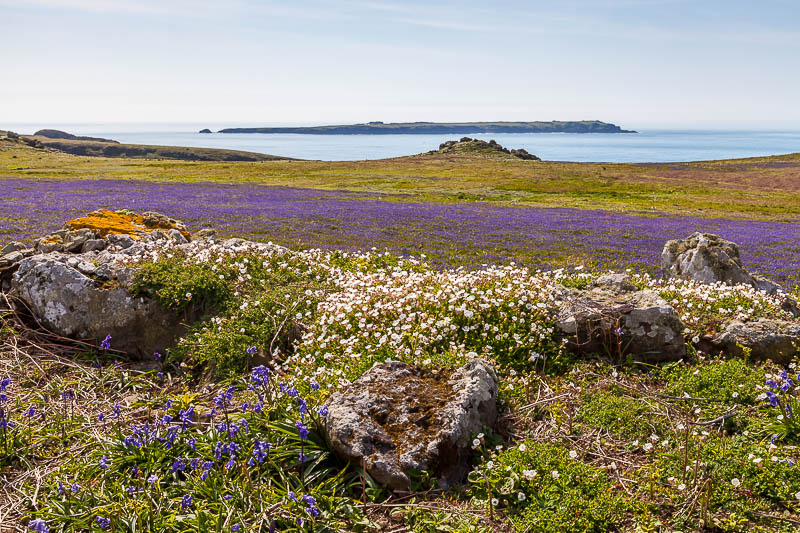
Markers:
708,258
398,418
776,340
612,320
59,291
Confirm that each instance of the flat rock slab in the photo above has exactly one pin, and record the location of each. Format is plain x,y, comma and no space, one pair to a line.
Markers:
776,340
398,418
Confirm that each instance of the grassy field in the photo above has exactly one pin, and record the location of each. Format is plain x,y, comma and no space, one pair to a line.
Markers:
758,188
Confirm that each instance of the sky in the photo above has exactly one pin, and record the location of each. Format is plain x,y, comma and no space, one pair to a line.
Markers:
670,63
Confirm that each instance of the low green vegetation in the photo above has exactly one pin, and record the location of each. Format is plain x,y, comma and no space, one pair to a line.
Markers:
223,432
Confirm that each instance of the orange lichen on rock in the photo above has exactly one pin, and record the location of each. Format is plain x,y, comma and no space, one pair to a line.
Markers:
107,222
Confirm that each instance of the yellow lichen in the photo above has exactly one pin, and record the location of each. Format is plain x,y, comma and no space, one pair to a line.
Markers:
106,222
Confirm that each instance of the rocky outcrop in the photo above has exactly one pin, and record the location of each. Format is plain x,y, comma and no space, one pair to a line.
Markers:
468,145
76,280
614,318
204,130
397,418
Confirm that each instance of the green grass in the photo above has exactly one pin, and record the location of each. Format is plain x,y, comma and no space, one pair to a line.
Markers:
737,188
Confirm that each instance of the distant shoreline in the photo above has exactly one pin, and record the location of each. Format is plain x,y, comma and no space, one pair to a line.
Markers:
427,128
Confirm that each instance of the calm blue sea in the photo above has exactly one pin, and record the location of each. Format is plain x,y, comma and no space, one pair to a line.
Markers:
646,146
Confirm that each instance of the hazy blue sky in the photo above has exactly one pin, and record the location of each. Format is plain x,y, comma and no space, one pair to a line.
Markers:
632,62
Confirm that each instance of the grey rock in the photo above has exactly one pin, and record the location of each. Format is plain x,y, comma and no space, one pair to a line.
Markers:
620,282
93,245
708,258
86,268
11,258
48,244
121,241
704,257
776,340
398,418
74,240
13,246
70,303
205,234
617,323
176,237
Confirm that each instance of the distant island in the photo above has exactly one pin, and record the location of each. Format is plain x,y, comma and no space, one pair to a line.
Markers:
454,128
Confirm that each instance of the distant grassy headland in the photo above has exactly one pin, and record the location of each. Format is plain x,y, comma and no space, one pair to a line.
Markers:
97,147
454,128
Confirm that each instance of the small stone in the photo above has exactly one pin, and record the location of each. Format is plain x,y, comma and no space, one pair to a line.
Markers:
93,245
205,234
176,237
121,241
86,268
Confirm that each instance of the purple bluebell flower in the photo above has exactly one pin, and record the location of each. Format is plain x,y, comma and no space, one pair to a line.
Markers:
104,462
38,525
152,481
103,523
302,430
252,350
106,344
323,411
186,501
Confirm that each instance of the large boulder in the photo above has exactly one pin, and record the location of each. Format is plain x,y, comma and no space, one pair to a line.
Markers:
773,339
64,294
614,318
397,418
708,258
77,280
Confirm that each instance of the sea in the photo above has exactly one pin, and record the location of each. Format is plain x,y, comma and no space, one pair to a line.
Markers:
648,145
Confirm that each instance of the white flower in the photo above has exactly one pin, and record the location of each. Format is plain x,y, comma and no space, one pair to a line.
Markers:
573,454
476,443
695,339
521,496
522,447
489,465
495,502
529,474
647,447
682,486
735,482
681,427
554,474
735,395
797,495
188,295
